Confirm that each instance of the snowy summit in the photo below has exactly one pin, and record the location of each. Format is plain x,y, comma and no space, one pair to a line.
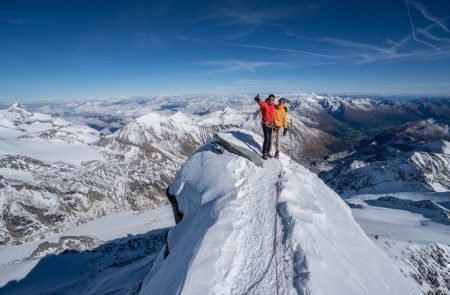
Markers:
234,238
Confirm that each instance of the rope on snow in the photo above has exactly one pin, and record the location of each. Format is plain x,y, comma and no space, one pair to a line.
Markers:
275,234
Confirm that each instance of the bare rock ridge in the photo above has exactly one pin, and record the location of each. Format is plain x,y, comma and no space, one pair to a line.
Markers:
242,151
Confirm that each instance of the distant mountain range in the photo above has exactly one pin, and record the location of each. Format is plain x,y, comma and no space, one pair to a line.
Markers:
66,164
341,121
74,166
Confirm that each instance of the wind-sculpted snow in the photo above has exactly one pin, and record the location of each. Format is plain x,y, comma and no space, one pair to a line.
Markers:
225,243
332,250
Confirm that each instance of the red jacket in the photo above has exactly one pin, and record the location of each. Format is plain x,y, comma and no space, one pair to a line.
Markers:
267,111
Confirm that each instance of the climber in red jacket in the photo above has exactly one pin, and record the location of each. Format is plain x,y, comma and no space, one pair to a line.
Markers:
267,108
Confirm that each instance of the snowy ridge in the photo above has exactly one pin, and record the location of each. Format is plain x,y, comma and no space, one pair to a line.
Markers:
224,243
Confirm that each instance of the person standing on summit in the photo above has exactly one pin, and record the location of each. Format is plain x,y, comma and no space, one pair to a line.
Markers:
280,124
267,109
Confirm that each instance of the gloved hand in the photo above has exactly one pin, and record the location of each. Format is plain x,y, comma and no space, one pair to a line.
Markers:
257,98
285,109
284,131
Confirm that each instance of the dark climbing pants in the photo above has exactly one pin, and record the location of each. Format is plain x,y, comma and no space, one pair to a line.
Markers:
267,145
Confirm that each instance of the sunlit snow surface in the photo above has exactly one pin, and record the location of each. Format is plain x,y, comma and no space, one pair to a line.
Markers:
402,222
414,229
328,254
36,135
16,262
50,152
224,244
16,174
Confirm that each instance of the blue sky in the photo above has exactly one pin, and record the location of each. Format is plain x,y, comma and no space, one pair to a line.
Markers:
85,49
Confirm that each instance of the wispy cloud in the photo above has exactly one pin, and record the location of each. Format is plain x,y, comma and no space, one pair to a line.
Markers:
433,48
414,31
420,44
278,49
192,39
431,84
234,16
149,39
252,84
246,21
426,13
231,65
14,21
352,44
430,36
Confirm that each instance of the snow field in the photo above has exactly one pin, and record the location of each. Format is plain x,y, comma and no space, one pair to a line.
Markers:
338,258
15,261
16,175
224,243
401,224
233,203
17,121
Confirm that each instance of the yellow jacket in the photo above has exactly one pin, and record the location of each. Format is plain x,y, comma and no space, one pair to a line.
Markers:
280,118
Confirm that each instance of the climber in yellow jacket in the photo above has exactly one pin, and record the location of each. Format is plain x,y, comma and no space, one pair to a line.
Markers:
280,120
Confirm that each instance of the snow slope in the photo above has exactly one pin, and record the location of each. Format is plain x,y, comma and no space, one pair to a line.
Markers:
45,137
225,242
121,252
413,230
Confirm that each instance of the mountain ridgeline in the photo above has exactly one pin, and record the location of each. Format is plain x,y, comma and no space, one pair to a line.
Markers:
58,173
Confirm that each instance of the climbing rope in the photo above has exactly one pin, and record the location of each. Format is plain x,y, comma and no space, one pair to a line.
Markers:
275,236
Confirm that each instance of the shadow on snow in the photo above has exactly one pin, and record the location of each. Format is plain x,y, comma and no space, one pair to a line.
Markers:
117,266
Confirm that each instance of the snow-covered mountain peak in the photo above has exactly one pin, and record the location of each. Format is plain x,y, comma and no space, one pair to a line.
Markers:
226,117
446,147
156,120
230,239
19,117
17,107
